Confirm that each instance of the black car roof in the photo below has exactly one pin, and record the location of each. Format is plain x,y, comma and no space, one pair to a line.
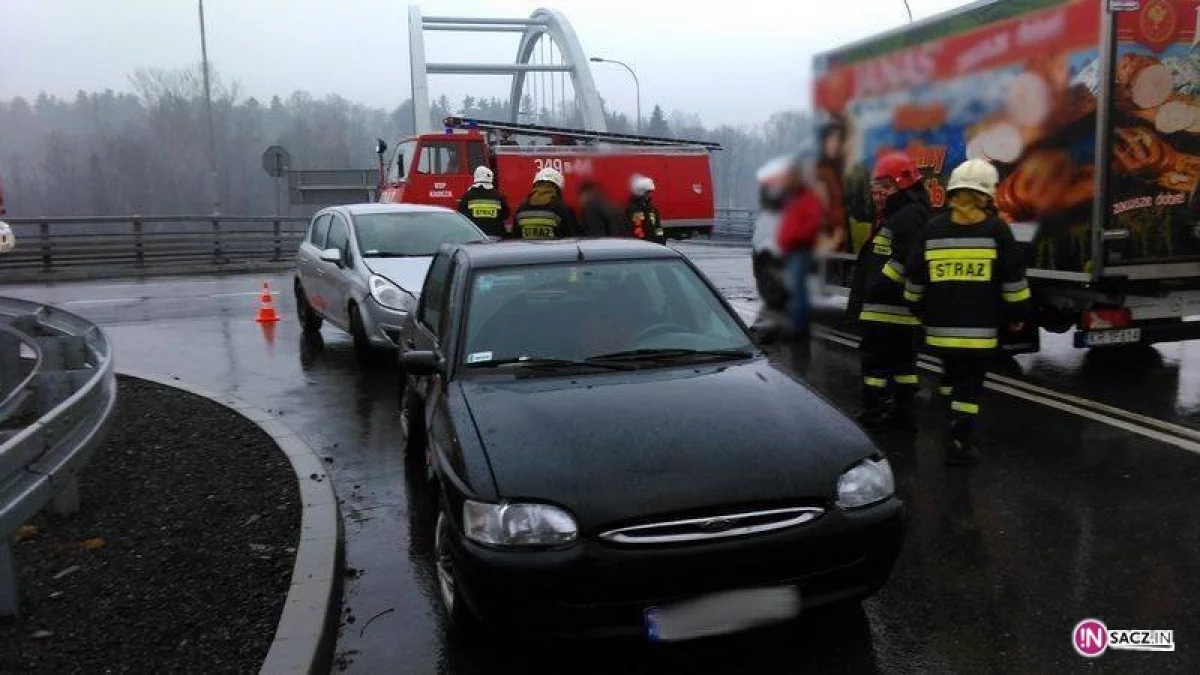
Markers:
507,253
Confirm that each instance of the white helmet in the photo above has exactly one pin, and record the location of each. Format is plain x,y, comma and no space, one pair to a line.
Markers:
7,241
974,174
549,175
640,185
484,176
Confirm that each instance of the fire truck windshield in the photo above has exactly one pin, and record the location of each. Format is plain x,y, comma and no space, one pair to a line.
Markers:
400,235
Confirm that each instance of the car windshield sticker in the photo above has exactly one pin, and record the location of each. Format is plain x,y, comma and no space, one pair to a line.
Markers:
479,356
483,284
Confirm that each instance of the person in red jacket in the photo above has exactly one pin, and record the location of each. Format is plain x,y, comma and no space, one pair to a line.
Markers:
800,225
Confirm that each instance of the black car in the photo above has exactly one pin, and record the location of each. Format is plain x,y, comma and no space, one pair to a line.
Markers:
612,454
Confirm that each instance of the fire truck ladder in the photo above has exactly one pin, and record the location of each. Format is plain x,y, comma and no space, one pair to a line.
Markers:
455,122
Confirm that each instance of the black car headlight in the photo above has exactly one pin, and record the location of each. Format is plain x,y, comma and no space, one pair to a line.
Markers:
518,524
390,295
865,483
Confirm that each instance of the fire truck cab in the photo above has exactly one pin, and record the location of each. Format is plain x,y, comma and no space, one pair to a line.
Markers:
438,168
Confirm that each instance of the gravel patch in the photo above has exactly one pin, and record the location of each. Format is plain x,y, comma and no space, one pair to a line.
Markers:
181,557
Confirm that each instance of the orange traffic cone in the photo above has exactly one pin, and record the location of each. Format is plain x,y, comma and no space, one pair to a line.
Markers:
266,307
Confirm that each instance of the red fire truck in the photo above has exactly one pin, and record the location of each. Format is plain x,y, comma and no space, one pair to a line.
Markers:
438,168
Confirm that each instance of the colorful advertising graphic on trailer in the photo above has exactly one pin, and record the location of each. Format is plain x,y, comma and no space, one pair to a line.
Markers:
1028,85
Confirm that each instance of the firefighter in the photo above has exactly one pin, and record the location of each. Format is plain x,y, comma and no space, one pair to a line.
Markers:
966,281
484,204
544,214
641,213
888,352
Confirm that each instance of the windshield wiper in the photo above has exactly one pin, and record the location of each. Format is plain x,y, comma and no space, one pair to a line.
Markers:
390,254
546,362
669,353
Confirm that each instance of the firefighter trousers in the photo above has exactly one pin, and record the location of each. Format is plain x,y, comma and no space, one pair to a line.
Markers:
889,367
963,382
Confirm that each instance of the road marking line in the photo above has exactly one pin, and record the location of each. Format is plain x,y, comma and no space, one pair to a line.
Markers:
1071,399
98,301
101,301
1171,434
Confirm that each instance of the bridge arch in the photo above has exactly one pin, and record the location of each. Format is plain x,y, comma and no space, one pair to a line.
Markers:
542,24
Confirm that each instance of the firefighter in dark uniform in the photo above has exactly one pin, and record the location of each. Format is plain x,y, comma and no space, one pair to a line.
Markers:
484,204
641,213
544,214
966,280
889,358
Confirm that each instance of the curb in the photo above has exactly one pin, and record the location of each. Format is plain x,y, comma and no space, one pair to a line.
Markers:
304,640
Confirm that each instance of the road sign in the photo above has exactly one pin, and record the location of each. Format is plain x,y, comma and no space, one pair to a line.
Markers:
276,161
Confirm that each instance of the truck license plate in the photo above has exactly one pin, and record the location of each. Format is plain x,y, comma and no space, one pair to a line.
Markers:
1113,337
722,613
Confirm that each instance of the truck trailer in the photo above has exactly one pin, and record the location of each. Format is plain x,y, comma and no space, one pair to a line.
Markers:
1090,109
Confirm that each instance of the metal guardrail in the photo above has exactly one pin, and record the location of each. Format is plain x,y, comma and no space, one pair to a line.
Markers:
734,223
55,406
196,243
55,244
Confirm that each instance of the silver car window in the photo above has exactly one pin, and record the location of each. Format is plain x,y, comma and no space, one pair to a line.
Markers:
320,229
339,236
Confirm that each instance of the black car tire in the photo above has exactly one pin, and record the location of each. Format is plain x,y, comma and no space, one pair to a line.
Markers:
401,384
366,354
310,321
412,424
770,287
459,617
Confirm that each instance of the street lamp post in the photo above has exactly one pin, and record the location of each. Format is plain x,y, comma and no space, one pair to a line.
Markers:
636,85
212,143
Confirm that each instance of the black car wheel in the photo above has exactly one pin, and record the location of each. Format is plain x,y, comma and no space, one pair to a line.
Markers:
458,616
412,424
310,321
363,351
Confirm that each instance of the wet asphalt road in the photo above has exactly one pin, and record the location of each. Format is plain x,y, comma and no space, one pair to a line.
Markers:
1068,517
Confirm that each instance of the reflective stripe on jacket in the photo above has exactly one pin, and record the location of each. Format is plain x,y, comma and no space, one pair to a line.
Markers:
965,282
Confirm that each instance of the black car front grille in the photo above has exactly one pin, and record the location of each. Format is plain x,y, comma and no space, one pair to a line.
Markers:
713,528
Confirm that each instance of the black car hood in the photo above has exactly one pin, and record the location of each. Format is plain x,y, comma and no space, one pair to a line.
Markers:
632,445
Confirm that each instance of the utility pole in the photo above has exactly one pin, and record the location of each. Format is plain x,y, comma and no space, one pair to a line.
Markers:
212,143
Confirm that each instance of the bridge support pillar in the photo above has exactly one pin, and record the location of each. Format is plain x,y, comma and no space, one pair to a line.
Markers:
8,581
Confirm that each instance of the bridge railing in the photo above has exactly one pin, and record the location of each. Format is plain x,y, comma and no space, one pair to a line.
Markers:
734,223
133,243
64,247
57,393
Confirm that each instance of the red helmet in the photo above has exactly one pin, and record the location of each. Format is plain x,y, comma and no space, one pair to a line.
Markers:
899,167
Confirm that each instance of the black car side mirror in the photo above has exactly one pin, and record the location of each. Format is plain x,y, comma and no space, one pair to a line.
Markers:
421,363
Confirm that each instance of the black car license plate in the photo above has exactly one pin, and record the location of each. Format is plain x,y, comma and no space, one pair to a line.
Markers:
722,613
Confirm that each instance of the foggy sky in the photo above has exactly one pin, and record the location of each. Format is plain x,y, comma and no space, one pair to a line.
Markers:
728,62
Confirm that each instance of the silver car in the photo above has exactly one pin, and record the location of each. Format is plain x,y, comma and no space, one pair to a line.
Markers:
361,266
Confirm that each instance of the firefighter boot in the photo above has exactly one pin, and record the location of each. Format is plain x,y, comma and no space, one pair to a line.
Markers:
959,450
900,416
874,412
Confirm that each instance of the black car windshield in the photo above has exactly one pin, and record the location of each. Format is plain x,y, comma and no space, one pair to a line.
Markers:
643,312
412,234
